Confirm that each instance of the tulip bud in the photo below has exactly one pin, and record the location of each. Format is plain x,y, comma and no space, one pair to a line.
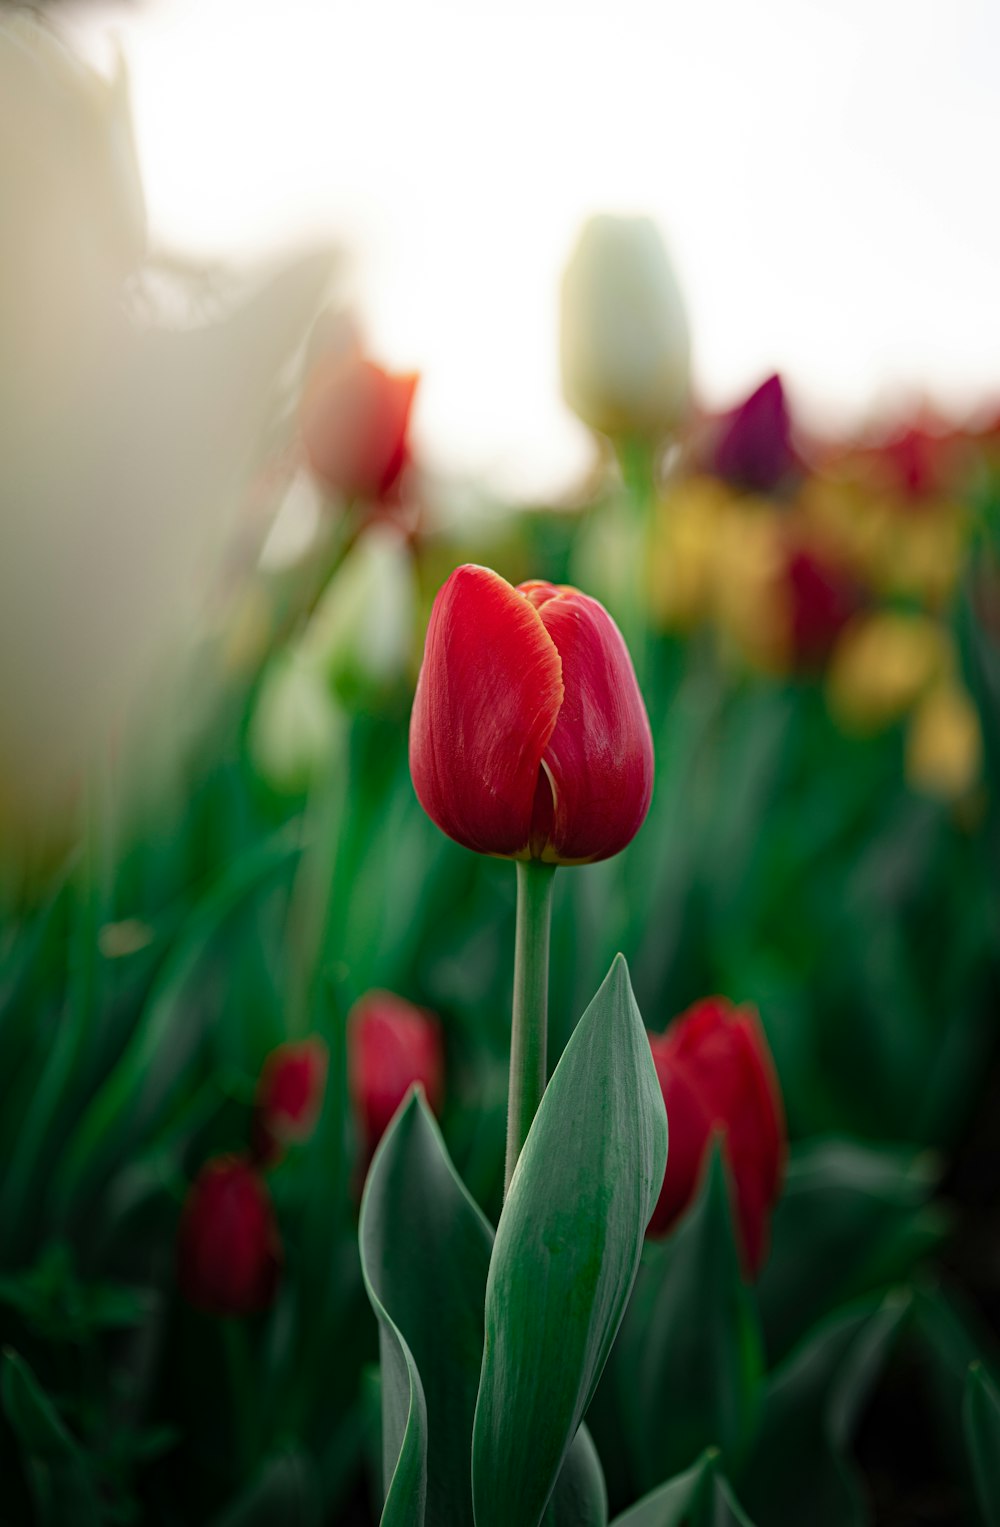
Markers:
295,729
354,419
390,1045
228,1248
362,634
752,446
289,1098
717,1077
625,348
529,738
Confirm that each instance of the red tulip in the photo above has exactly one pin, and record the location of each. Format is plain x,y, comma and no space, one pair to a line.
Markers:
529,738
391,1044
354,425
228,1248
717,1076
821,598
289,1097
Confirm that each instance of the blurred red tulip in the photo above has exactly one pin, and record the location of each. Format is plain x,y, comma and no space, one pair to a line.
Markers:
752,446
717,1076
354,425
820,597
289,1097
391,1044
529,737
228,1248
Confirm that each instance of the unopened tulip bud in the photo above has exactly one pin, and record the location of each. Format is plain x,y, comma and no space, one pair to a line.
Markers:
752,445
529,738
355,419
228,1248
391,1045
624,342
717,1078
362,634
289,1097
296,727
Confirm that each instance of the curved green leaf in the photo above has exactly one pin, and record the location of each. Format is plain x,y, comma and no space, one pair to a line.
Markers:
426,1253
700,1497
285,1494
56,1467
981,1417
689,1365
800,1470
404,1407
566,1255
580,1498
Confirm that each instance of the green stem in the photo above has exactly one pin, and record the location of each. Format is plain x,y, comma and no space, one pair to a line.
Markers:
529,1027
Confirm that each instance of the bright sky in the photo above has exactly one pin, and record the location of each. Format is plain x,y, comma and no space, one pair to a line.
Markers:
824,172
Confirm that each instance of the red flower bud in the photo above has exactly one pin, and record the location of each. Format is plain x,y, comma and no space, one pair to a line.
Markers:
717,1076
753,446
390,1045
529,737
354,421
228,1248
821,597
289,1097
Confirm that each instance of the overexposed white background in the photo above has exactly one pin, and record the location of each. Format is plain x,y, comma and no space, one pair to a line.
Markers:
824,172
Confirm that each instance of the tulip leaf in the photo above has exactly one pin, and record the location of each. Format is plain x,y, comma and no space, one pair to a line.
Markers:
426,1252
981,1416
852,1219
285,1491
700,1497
580,1498
55,1464
688,1366
800,1470
566,1255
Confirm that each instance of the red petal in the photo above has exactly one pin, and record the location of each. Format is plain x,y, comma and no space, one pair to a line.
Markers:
600,754
486,704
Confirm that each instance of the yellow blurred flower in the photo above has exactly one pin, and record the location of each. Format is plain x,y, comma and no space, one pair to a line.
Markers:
882,665
746,578
944,744
685,550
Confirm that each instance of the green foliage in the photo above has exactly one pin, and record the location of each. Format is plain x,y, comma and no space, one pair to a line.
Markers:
688,1368
981,1414
566,1254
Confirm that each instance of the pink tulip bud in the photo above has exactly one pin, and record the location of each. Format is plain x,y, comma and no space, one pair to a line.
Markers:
717,1077
391,1044
355,418
289,1097
529,737
228,1248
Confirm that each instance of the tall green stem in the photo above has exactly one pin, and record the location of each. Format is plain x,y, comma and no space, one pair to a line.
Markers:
529,1028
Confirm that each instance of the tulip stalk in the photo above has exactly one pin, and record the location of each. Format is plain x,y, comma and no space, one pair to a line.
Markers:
530,1018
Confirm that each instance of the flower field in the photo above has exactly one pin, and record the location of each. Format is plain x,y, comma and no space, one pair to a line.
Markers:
499,1004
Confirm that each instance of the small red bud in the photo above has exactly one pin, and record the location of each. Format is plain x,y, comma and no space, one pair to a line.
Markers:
289,1097
717,1077
228,1248
391,1045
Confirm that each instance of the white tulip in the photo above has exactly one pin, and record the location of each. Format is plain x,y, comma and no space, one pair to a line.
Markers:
625,346
125,449
362,634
